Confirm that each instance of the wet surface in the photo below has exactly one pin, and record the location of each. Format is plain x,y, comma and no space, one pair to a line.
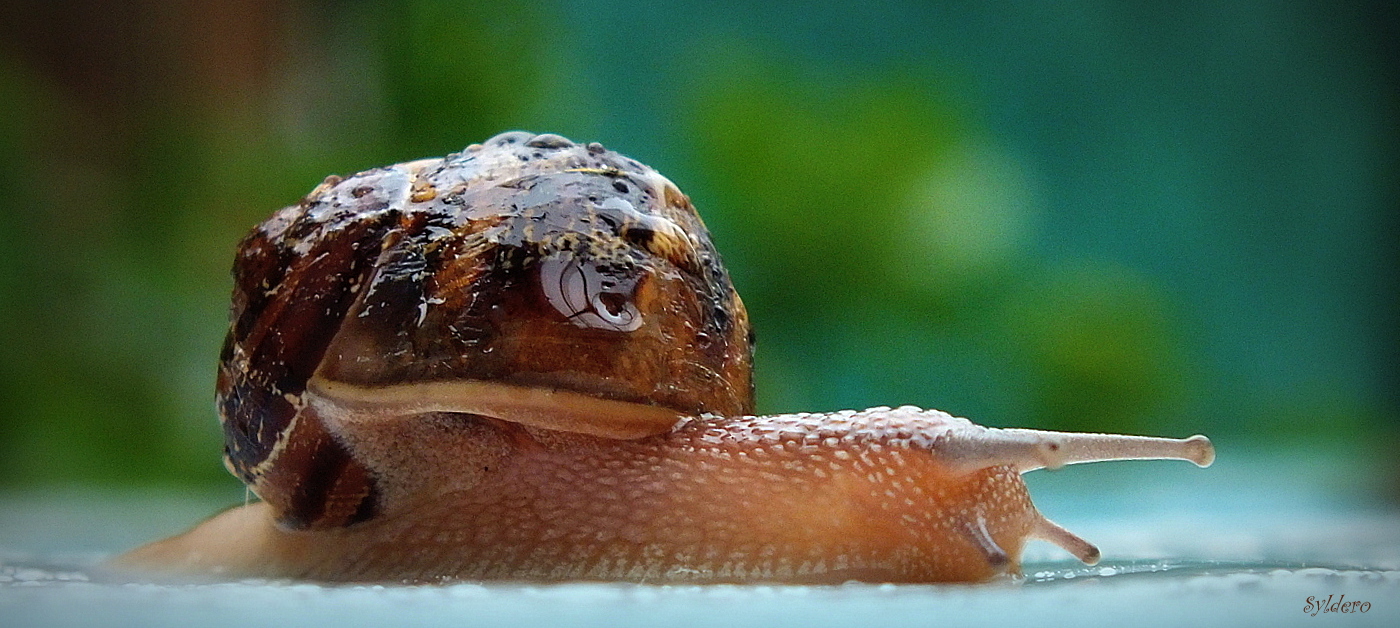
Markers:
1225,556
1161,594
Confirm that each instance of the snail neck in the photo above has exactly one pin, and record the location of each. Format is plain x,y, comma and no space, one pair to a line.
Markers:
423,440
546,408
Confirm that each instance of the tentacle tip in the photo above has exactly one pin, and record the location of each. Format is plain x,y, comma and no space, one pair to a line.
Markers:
1086,552
1200,450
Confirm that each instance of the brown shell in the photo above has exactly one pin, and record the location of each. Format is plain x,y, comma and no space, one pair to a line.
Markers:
528,260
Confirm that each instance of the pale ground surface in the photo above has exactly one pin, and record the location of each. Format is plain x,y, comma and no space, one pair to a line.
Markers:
1243,543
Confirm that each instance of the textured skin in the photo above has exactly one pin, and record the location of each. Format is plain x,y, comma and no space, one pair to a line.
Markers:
525,361
793,498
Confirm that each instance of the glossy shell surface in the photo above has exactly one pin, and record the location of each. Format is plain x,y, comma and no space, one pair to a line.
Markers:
525,361
528,260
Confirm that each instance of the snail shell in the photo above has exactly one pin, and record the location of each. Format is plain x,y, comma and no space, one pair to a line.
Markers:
529,279
526,361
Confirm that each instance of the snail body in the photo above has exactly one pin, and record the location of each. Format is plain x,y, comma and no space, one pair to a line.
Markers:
526,361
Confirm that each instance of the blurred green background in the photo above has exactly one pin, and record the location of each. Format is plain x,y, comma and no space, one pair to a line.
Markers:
1162,218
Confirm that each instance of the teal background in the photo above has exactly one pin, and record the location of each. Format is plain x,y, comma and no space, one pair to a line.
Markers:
1163,218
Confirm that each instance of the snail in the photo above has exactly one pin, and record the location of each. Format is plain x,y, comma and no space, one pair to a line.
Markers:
526,361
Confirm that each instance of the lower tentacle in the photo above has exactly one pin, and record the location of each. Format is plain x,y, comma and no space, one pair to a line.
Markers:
1048,530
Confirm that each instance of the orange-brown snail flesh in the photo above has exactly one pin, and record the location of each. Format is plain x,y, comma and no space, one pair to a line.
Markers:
525,361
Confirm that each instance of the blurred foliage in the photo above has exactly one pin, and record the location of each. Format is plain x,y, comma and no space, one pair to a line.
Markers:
874,203
1016,228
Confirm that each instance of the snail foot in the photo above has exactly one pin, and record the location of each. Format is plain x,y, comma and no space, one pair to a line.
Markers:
976,531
